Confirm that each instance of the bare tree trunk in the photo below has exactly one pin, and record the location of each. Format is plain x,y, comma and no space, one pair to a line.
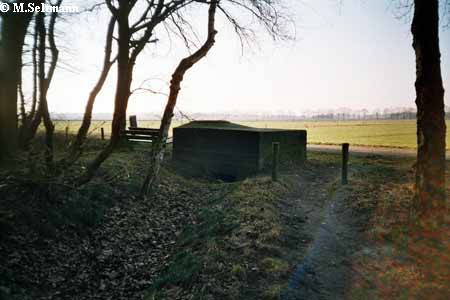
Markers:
124,77
13,30
158,146
35,83
25,125
49,127
44,83
25,128
23,113
76,147
43,107
431,128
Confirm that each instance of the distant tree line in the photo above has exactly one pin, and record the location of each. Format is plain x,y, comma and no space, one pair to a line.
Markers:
340,114
384,114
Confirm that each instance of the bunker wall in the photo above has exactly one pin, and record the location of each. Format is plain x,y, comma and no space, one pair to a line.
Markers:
234,153
292,146
217,152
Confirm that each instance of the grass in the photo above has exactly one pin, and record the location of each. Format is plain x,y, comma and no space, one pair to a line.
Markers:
33,195
407,257
387,133
233,246
381,133
184,269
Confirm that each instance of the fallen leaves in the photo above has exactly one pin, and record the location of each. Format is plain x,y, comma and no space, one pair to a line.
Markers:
118,258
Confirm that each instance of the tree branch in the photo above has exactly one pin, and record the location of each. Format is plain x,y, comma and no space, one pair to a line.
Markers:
177,77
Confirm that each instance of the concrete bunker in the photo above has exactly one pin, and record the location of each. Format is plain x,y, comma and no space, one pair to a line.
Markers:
231,151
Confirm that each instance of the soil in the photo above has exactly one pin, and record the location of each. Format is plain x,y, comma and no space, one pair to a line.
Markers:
325,271
328,233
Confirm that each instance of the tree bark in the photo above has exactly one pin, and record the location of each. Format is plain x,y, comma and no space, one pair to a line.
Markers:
49,127
40,78
13,31
124,77
158,146
76,147
431,128
44,81
24,129
23,113
35,83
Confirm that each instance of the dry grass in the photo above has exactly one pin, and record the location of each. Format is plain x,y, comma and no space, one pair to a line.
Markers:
236,240
410,259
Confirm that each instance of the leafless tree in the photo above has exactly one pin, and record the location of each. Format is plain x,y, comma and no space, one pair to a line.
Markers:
13,30
431,128
158,146
76,146
134,36
44,80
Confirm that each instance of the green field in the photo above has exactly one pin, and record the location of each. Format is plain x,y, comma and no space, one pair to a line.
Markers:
387,133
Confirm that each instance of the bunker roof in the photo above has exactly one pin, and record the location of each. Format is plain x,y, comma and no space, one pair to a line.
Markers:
226,125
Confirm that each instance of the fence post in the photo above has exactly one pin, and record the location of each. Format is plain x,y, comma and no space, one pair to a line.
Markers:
133,121
102,132
67,132
344,178
303,145
275,154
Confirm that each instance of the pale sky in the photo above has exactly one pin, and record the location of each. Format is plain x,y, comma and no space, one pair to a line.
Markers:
357,55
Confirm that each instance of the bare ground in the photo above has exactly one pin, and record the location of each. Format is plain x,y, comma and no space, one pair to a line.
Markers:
325,271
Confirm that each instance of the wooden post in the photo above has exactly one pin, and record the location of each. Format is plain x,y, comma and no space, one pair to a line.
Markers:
133,121
344,178
275,154
102,132
303,145
67,132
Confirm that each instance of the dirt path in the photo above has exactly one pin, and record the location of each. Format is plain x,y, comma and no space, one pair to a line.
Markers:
336,220
364,150
325,272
